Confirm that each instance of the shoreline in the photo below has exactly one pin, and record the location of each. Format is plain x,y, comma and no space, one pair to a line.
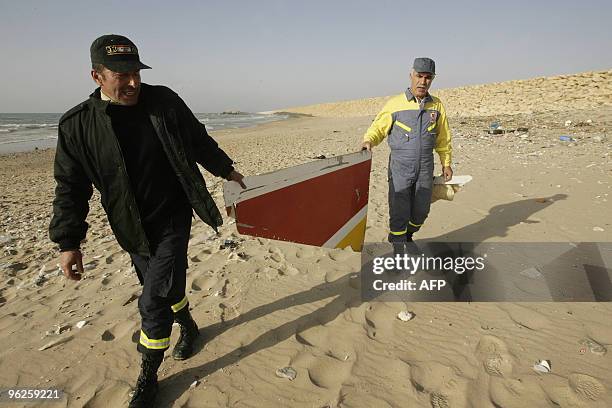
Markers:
50,143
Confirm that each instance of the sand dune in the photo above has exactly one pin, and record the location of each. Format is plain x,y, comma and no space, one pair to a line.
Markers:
588,90
267,305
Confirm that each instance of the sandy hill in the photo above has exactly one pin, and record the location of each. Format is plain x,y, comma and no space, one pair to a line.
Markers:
555,93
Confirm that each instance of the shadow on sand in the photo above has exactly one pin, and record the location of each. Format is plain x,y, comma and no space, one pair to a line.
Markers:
345,293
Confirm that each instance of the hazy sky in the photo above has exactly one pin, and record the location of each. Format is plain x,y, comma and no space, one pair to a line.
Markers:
263,55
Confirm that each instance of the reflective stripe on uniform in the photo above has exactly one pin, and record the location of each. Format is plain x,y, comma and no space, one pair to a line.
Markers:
178,306
414,225
399,233
403,126
155,344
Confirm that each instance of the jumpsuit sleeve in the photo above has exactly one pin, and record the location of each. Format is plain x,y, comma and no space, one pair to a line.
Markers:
380,127
443,141
72,193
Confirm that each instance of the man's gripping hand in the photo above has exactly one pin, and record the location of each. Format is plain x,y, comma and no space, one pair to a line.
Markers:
68,259
237,177
447,172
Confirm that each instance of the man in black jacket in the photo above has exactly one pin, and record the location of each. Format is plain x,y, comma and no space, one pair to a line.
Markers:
139,145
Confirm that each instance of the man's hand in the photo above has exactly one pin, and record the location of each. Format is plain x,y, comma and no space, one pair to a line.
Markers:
237,177
366,146
67,260
447,172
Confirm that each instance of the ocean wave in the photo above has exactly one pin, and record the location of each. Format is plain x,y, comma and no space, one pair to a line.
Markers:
29,125
3,142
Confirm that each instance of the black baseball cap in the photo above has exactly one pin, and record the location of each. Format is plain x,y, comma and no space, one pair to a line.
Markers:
116,53
424,64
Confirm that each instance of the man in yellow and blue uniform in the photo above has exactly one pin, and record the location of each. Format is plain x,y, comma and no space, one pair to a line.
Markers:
414,124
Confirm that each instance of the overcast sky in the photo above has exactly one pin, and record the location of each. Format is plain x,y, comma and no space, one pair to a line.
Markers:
263,55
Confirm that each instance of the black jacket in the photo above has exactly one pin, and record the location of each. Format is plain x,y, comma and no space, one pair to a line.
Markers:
88,153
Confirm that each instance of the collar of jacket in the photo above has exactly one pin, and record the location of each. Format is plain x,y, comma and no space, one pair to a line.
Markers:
410,96
96,101
100,104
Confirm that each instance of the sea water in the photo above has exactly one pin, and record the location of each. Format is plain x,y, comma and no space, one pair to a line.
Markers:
21,132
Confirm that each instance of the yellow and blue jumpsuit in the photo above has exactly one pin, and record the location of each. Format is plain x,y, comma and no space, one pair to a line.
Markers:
413,131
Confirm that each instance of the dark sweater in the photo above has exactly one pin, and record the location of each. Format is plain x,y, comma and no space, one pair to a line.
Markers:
155,185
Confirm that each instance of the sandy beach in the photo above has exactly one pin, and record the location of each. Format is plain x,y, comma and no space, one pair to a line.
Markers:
267,304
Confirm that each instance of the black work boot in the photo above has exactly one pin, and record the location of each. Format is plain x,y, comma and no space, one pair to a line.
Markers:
189,333
399,244
411,247
146,385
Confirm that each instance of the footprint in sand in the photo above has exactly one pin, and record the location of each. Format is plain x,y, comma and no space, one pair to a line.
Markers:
114,395
288,270
119,330
328,372
205,283
439,401
494,355
586,387
340,255
379,320
323,371
445,385
303,253
276,255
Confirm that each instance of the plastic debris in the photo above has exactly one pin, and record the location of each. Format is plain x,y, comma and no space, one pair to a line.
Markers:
405,315
59,329
286,372
568,123
229,243
566,138
81,324
593,346
598,229
542,366
495,128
